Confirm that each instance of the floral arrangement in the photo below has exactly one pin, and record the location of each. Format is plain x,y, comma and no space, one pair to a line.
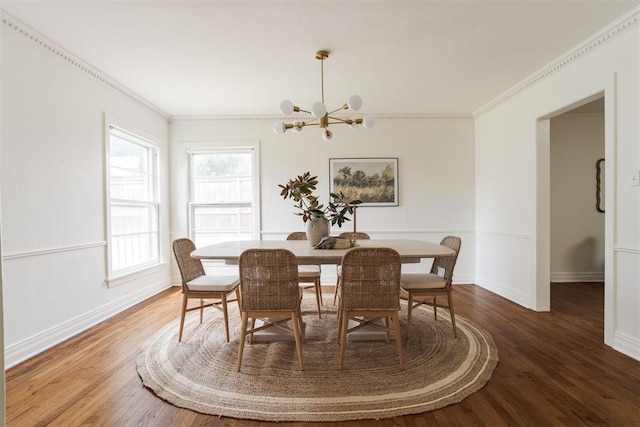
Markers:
301,190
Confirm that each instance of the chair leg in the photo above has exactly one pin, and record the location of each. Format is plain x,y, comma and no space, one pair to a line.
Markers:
318,292
297,333
339,325
335,292
201,310
253,325
243,337
343,336
409,311
435,308
386,324
184,311
319,282
453,316
301,323
238,296
226,316
396,323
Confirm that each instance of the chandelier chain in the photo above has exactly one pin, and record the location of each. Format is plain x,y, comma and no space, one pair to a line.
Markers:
322,79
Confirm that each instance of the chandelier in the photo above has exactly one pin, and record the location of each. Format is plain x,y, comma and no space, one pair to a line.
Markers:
321,117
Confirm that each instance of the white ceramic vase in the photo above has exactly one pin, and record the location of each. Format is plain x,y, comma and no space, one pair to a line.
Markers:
317,228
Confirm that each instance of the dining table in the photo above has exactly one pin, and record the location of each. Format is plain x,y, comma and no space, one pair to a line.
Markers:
410,251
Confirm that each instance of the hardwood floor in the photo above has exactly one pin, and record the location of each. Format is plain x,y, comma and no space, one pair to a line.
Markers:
554,370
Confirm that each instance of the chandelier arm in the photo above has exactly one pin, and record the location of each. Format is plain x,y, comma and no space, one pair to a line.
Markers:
339,120
344,107
304,111
315,122
304,123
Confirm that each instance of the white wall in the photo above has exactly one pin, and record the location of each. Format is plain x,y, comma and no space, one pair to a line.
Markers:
577,228
53,194
509,209
436,175
3,399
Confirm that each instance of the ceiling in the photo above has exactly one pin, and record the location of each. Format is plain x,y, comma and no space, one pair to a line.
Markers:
243,57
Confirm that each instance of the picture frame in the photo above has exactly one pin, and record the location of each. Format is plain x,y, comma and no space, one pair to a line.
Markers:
600,185
374,180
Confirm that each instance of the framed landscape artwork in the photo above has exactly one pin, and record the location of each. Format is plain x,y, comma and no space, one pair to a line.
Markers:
372,180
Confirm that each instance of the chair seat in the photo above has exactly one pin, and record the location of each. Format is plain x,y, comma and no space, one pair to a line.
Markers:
197,284
208,283
416,282
310,271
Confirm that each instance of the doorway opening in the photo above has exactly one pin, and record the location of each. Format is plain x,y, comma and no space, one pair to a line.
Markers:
577,226
571,226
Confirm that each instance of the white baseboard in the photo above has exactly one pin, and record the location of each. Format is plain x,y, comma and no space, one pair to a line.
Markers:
581,276
627,345
27,348
507,292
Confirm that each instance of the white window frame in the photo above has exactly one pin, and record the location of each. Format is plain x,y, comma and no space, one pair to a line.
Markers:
221,146
116,277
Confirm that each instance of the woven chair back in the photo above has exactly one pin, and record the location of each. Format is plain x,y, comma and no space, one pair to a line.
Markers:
359,235
269,280
447,263
297,235
189,267
371,279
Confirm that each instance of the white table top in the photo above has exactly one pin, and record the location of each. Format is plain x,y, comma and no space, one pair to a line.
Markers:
409,250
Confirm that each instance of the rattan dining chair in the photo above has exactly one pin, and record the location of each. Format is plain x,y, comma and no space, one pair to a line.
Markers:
358,235
197,284
309,275
426,287
369,294
270,293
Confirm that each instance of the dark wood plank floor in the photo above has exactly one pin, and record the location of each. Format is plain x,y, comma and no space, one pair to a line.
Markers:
554,370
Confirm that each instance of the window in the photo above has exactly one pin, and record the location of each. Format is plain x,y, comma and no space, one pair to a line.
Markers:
133,202
222,202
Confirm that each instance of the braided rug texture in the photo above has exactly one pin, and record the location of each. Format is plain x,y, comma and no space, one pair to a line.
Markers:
200,372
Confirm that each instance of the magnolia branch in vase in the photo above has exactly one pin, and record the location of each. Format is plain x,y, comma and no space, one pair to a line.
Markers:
301,189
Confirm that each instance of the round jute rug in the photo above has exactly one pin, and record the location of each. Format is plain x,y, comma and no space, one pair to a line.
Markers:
200,372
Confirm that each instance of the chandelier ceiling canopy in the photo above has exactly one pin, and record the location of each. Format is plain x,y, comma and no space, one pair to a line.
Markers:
320,115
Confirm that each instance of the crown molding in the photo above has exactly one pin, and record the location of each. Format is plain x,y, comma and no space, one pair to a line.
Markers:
67,56
271,117
424,116
610,32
